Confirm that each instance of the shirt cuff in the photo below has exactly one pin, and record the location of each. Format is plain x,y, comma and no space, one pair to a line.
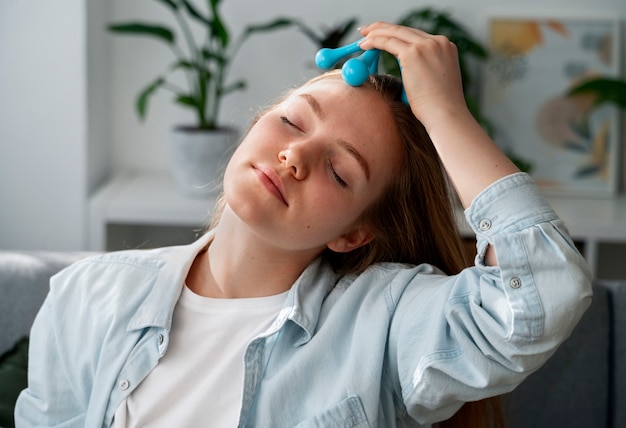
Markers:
511,204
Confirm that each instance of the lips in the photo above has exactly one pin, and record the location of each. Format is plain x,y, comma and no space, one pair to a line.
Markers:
271,181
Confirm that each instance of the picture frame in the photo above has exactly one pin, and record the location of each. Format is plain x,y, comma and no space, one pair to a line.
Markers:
569,147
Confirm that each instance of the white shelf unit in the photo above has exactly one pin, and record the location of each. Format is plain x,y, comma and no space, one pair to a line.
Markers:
144,200
139,200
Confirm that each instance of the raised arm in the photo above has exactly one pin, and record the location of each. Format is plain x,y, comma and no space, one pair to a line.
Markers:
432,81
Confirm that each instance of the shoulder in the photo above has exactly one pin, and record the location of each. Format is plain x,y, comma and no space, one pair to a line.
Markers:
110,277
114,263
395,278
399,274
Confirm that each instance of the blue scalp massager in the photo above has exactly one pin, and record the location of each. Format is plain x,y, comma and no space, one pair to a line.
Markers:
355,71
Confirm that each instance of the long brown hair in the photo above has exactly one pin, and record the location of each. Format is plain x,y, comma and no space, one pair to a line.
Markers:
413,222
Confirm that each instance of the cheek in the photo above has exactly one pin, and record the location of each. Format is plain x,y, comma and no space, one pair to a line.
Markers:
262,134
237,182
230,170
333,211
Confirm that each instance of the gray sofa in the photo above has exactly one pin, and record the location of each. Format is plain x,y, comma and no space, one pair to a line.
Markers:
582,385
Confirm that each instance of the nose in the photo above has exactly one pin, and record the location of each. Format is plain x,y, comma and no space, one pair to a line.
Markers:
296,159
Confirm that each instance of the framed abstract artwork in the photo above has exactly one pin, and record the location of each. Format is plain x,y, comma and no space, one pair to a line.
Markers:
567,145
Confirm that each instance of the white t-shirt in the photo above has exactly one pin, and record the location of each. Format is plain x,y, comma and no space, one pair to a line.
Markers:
199,381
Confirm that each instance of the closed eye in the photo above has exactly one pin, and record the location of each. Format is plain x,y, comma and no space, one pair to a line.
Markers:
336,176
286,121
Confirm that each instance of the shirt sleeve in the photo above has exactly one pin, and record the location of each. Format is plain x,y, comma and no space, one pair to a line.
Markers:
482,332
49,399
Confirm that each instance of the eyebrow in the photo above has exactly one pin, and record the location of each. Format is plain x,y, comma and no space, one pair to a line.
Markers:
352,151
356,155
315,106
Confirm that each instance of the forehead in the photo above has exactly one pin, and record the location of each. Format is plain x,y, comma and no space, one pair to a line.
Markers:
361,108
332,88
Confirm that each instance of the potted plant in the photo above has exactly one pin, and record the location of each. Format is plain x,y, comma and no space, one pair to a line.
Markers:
199,149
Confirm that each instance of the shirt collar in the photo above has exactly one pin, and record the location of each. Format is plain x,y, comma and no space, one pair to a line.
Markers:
304,301
302,306
158,306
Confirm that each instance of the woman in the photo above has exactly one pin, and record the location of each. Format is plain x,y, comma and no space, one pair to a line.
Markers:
331,290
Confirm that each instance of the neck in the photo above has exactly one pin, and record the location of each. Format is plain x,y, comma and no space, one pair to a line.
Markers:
239,264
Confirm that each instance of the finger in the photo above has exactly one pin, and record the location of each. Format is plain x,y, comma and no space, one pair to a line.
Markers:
385,29
398,40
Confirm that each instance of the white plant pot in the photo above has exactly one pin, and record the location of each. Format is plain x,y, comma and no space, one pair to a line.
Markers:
198,158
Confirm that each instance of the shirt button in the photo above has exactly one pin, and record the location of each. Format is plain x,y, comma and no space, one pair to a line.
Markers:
515,282
484,225
124,384
160,339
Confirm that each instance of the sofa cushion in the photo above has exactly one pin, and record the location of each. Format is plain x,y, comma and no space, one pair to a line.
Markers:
13,379
24,283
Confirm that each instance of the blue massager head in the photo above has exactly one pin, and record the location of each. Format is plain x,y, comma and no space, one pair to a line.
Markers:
355,71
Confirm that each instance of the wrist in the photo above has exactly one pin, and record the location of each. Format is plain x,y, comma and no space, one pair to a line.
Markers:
446,118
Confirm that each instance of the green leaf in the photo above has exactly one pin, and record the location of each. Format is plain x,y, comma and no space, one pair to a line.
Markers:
198,69
218,29
236,86
194,13
389,64
334,37
607,90
467,44
331,38
170,3
420,18
307,31
144,95
208,55
142,29
184,64
269,26
187,101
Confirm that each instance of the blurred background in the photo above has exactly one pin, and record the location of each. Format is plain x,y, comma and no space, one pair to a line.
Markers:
68,86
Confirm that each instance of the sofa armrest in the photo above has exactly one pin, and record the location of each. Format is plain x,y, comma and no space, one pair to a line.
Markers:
24,284
617,292
573,388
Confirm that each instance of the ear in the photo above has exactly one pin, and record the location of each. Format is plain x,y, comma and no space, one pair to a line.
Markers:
352,240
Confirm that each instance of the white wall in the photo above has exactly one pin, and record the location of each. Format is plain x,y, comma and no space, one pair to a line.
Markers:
42,124
99,150
67,91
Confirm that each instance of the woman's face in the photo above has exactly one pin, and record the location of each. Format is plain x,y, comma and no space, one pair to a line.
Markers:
308,168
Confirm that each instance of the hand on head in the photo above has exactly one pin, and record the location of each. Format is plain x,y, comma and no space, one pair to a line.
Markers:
429,63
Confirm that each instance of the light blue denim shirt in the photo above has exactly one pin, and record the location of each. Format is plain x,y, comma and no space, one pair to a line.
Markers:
395,346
